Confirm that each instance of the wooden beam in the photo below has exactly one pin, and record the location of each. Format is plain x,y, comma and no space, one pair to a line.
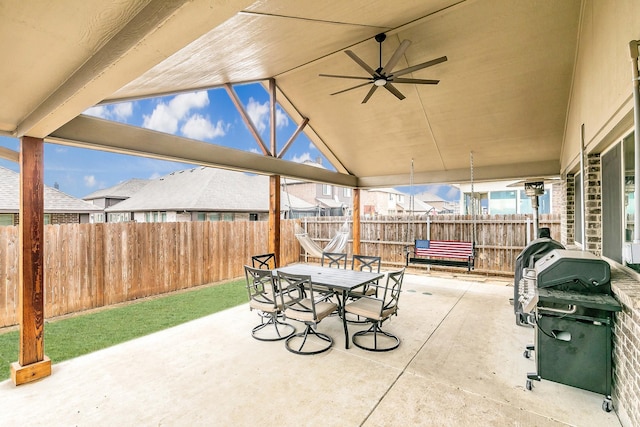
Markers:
157,13
246,118
32,363
94,133
6,153
272,102
274,216
356,221
293,137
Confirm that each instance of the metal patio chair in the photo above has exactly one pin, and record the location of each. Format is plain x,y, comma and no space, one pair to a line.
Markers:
265,261
376,311
297,294
264,297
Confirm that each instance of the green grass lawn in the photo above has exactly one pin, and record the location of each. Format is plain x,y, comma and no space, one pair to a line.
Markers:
85,333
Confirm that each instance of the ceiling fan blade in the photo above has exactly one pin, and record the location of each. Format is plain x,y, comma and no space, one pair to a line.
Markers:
415,81
396,57
360,62
345,77
394,91
373,89
354,87
420,66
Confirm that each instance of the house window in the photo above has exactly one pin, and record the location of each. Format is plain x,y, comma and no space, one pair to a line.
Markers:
155,217
502,202
346,192
326,190
6,219
253,217
544,203
228,216
214,216
390,197
119,217
400,198
47,219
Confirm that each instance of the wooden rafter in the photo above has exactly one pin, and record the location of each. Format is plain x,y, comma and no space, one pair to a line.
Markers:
246,118
293,137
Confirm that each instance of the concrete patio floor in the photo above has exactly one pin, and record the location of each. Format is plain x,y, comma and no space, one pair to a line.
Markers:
460,363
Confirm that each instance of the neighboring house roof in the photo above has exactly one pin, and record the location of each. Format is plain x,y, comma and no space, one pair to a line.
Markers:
124,190
429,197
330,203
55,201
418,206
290,201
205,189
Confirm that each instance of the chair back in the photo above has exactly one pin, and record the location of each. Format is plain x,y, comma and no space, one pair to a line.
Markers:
334,260
266,261
297,296
260,285
392,292
366,263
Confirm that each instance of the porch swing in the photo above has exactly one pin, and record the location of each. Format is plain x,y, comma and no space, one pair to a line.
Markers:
448,253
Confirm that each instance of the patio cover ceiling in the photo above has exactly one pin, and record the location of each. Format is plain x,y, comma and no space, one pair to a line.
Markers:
503,92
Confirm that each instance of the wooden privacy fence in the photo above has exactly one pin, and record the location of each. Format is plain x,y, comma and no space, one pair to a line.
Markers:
93,265
498,238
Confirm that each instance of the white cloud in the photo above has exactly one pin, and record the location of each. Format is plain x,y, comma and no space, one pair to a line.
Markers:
167,116
311,146
301,158
123,111
119,112
185,102
282,119
258,113
97,111
199,127
255,150
90,181
155,175
161,119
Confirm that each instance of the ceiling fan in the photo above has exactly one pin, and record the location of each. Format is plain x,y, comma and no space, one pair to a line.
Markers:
385,76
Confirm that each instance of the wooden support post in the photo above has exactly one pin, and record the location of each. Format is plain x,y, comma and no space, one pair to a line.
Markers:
274,216
32,363
356,221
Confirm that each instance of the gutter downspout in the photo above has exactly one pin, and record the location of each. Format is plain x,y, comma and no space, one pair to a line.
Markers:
633,47
583,202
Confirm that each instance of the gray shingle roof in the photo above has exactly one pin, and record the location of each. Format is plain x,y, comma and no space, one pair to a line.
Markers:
54,200
124,190
200,189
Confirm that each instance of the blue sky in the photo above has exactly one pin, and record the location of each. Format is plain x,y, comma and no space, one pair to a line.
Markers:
208,116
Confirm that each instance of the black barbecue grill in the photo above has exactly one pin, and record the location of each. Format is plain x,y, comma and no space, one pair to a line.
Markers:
569,293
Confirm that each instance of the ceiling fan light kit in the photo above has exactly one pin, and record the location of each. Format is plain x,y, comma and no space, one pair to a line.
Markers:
385,76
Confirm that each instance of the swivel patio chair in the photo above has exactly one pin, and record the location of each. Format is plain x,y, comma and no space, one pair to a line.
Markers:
298,300
264,297
366,263
376,311
372,265
267,261
334,260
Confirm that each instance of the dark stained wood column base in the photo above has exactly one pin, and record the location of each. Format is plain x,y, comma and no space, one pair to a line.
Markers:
32,372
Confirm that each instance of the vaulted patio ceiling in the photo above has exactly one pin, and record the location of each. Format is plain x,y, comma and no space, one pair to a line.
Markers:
503,91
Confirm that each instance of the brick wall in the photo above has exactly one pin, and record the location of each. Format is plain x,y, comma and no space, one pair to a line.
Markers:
567,211
56,218
626,349
593,205
65,218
